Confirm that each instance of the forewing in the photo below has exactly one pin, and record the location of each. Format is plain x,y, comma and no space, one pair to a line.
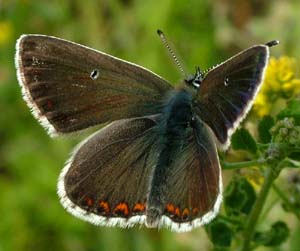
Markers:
227,91
107,179
70,87
194,184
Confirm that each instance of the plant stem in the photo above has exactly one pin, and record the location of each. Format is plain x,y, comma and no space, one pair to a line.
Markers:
270,176
237,165
230,220
286,201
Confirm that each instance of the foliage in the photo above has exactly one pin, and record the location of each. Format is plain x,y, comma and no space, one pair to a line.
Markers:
281,149
242,140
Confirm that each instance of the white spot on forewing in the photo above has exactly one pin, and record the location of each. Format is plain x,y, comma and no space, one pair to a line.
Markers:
94,74
35,61
226,81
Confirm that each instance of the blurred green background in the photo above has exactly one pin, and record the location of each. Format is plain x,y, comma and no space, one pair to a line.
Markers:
204,32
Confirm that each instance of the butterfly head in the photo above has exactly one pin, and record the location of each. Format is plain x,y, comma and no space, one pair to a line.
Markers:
195,81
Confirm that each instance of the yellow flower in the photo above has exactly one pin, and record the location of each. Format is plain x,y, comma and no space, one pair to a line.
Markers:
281,81
260,104
5,32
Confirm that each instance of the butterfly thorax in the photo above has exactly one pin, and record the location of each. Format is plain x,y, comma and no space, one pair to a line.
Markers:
177,113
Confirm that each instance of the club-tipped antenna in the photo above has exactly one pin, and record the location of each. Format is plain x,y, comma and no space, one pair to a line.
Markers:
165,42
272,43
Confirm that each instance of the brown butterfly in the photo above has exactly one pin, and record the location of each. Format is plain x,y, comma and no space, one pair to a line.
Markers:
156,162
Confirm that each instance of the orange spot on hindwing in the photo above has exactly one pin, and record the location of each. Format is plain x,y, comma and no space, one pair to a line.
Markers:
103,208
121,210
178,215
139,208
177,212
185,214
170,209
89,201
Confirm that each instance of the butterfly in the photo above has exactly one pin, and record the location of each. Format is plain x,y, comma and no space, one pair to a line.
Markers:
155,162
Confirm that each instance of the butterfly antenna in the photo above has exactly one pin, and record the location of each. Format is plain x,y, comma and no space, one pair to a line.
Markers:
165,42
272,43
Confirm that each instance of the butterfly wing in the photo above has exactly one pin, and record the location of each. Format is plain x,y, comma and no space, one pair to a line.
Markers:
70,87
107,179
189,191
228,90
109,185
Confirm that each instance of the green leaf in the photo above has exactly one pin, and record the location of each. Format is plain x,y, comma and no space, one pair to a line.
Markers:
292,110
239,197
219,232
278,233
242,140
295,156
291,163
264,127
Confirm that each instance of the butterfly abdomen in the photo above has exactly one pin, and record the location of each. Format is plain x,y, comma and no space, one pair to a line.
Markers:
173,130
